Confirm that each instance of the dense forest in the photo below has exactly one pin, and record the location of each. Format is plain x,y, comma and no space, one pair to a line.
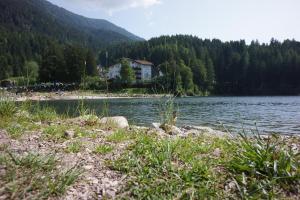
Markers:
192,65
38,33
45,43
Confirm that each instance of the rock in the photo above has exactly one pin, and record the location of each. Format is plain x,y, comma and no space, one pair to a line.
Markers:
175,131
117,122
217,152
172,130
202,130
69,133
88,167
156,125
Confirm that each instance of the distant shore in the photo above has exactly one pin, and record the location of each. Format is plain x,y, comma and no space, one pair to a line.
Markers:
74,95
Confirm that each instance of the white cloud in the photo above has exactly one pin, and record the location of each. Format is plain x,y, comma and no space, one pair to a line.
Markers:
116,5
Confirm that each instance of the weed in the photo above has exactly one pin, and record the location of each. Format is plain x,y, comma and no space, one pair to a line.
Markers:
167,113
44,114
157,173
119,136
33,176
15,130
103,149
74,147
55,132
7,108
261,167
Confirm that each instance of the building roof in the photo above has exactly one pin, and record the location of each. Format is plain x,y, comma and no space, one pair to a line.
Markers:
144,62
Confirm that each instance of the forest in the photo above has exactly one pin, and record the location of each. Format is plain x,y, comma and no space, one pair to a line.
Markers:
195,66
190,65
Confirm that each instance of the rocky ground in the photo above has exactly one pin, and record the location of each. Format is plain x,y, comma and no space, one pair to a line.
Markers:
97,181
74,95
105,150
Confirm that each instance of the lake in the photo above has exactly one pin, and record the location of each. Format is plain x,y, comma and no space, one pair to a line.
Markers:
268,114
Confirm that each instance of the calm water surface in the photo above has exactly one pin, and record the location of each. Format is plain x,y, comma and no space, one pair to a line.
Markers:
268,114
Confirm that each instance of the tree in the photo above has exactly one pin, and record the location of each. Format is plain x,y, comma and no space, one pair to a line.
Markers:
75,63
199,74
127,73
187,78
210,80
53,65
32,71
91,65
5,69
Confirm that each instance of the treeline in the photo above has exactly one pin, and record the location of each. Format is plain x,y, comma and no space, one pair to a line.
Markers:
20,53
192,65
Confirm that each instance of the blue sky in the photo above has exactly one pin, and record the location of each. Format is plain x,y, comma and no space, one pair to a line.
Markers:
222,19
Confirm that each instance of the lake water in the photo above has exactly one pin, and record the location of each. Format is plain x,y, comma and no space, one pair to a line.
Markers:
268,114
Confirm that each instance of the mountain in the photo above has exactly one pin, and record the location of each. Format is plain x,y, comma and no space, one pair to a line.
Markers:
43,18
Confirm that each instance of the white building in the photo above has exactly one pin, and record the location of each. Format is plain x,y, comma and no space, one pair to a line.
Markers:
142,68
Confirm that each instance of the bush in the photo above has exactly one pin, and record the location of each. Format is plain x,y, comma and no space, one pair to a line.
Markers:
93,83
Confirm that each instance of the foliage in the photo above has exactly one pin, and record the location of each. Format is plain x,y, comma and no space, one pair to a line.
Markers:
32,71
218,67
93,83
103,149
55,132
91,65
118,136
127,73
262,167
7,108
74,147
157,173
34,176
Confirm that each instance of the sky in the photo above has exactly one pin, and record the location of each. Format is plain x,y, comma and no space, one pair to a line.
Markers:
222,19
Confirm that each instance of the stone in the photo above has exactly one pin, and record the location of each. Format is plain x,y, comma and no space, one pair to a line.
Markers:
117,122
88,167
69,133
175,131
217,152
156,126
172,130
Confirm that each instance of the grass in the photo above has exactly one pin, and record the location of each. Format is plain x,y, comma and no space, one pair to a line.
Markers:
74,147
55,132
201,167
189,168
264,167
158,173
103,149
119,136
34,176
44,114
15,130
7,108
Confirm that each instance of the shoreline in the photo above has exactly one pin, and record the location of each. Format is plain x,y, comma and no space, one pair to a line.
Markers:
103,156
76,95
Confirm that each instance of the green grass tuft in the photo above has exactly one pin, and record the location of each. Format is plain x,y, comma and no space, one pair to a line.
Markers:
74,147
33,176
7,108
119,136
103,149
264,167
158,173
55,132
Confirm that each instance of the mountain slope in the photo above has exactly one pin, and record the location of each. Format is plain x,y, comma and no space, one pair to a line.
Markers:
42,17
